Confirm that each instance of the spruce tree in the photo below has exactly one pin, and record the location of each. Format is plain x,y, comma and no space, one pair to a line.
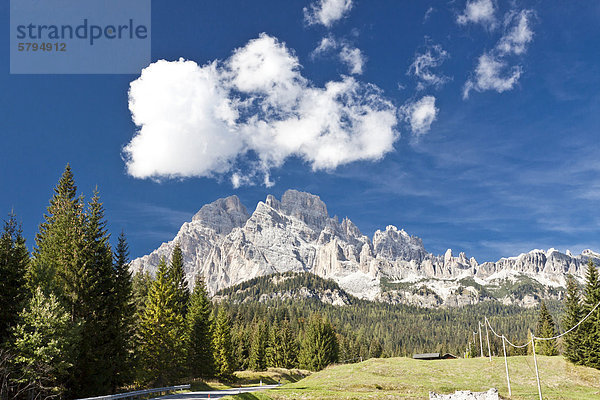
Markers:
44,342
258,345
590,328
199,326
177,274
320,346
162,331
572,315
14,258
282,350
95,366
58,265
545,329
123,313
241,345
223,348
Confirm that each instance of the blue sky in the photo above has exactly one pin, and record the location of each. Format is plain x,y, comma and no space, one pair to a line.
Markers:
510,167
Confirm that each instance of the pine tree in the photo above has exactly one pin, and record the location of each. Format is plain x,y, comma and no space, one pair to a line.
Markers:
44,341
177,274
123,313
572,315
162,331
223,348
199,326
320,346
545,329
590,328
14,258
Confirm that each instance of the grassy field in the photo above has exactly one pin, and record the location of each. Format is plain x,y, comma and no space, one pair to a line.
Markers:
404,378
251,378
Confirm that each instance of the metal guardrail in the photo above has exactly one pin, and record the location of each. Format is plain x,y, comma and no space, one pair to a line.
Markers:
139,393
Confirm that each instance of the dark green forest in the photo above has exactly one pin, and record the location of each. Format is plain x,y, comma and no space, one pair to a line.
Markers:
74,322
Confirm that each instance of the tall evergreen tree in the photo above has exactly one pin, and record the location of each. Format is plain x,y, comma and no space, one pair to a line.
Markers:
572,315
123,313
590,328
223,348
545,329
282,351
162,330
95,366
177,274
14,258
241,344
320,346
257,360
44,342
199,325
58,262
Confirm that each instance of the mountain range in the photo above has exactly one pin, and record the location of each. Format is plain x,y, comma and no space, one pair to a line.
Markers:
227,245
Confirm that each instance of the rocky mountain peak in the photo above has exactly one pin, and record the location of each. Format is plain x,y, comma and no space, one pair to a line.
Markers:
227,246
307,207
222,215
396,244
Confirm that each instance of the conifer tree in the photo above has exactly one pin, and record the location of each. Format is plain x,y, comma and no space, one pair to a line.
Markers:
590,328
241,345
545,329
282,351
95,366
177,274
162,330
572,315
223,348
58,264
14,258
123,312
44,341
199,326
257,359
320,346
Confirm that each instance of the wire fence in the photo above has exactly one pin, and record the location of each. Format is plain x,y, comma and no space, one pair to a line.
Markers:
531,342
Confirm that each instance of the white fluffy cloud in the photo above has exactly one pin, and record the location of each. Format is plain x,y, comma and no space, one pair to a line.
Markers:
351,56
423,64
204,120
493,71
420,114
478,12
326,12
492,74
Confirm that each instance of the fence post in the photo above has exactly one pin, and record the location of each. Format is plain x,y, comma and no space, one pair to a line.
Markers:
537,374
480,341
506,366
487,335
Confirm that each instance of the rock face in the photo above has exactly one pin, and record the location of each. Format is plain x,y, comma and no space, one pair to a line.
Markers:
227,246
491,394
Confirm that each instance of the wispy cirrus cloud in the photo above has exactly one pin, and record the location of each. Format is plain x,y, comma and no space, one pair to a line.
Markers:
425,62
494,70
